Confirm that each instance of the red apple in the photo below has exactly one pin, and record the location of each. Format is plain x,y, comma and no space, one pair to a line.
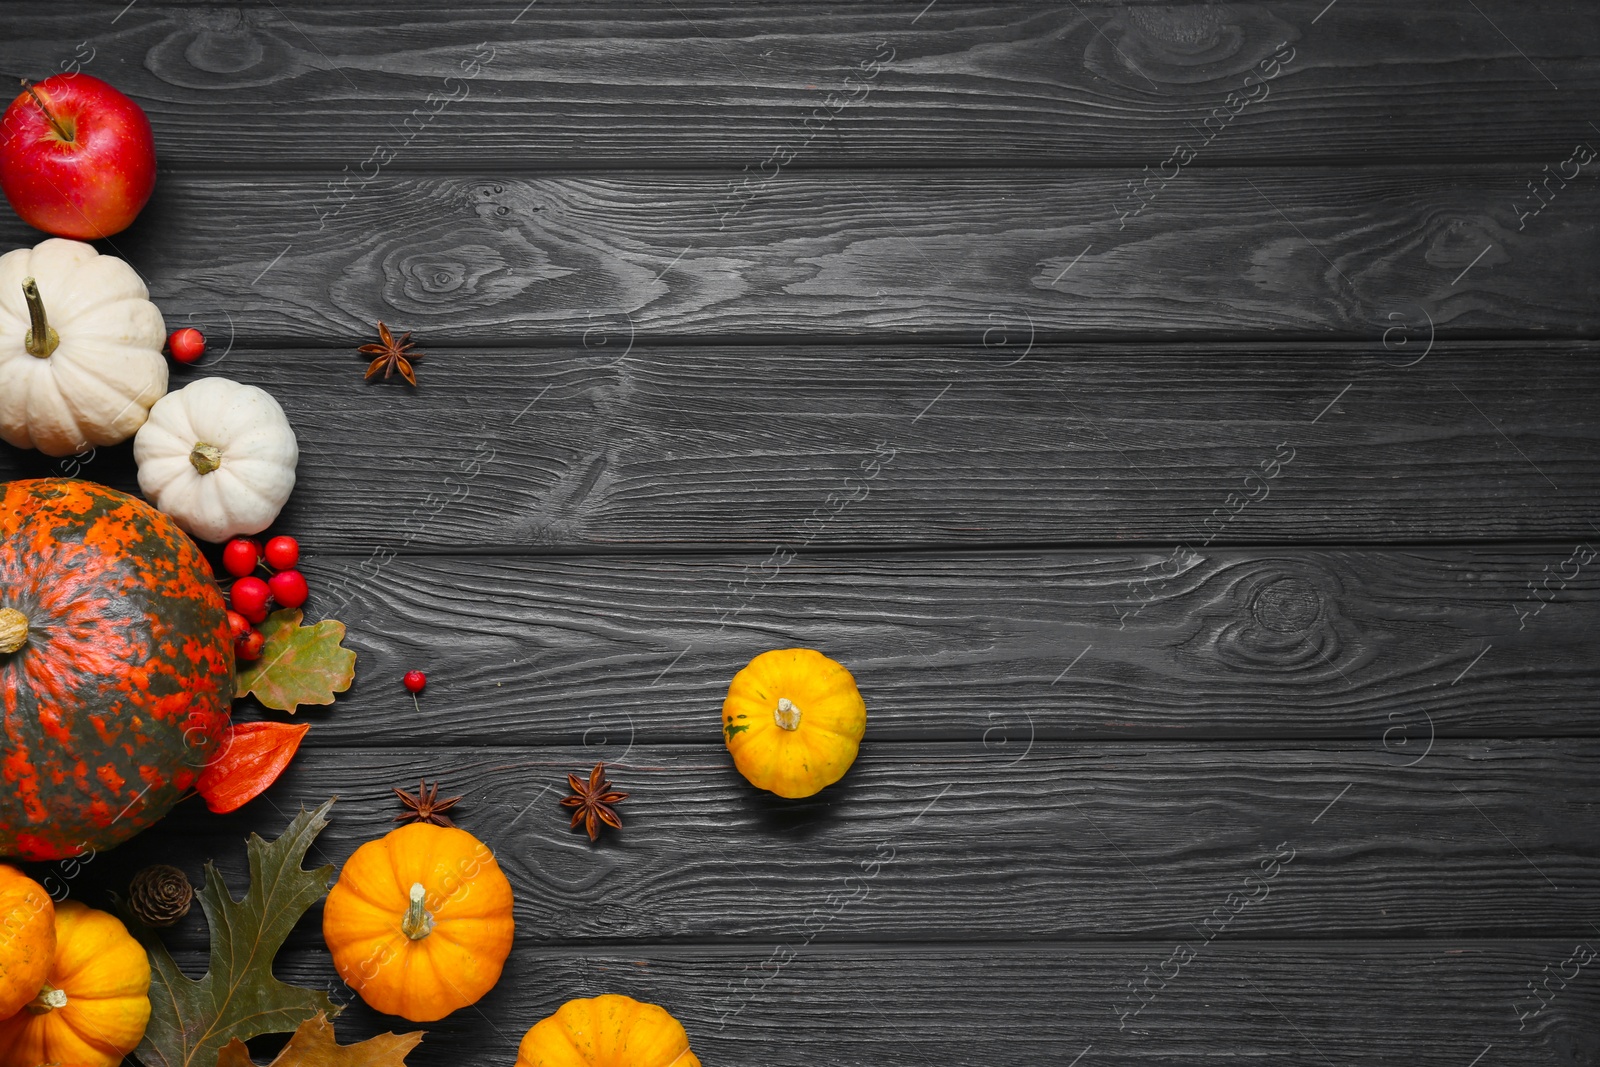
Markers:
77,158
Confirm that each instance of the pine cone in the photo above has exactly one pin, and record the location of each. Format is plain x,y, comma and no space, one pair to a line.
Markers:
160,895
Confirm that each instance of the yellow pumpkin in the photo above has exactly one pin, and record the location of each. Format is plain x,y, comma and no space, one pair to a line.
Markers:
607,1031
793,721
420,921
95,1001
27,939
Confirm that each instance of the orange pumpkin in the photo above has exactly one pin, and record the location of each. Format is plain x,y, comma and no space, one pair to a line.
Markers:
607,1031
95,1001
793,721
420,923
27,939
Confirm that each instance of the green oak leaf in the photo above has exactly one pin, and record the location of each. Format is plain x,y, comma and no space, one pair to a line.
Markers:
191,1021
298,664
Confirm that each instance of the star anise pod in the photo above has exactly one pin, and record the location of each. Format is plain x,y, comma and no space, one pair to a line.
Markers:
393,355
425,806
593,800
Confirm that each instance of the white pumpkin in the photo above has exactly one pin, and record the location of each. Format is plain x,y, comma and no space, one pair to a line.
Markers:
217,456
89,376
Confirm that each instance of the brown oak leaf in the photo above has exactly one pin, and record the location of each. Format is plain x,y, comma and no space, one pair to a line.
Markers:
313,1046
298,664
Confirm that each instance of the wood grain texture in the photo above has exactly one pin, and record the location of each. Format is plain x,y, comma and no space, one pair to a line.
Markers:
618,447
1434,1004
1392,648
1220,253
938,398
956,843
365,86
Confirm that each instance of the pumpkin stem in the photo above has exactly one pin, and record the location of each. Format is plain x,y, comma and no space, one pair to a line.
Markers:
206,458
13,630
42,338
786,715
49,999
417,923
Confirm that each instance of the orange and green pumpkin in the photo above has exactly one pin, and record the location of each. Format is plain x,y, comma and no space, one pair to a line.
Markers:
116,666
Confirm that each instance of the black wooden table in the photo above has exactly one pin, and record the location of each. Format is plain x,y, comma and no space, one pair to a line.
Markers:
1180,418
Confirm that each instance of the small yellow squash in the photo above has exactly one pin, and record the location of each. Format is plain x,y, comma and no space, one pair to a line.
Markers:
420,923
95,1001
607,1031
27,939
793,721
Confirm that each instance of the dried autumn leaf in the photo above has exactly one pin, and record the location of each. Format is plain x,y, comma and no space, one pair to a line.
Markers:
313,1046
254,754
298,664
191,1021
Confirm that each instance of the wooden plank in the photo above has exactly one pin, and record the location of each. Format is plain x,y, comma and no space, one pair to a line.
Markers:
1391,648
1220,253
1440,1003
377,87
957,843
815,448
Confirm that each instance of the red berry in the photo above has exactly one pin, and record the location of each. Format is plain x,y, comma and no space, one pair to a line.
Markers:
250,598
187,344
288,588
239,556
282,553
238,625
249,646
414,681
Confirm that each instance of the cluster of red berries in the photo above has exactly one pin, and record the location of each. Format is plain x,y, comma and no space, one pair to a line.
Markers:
251,597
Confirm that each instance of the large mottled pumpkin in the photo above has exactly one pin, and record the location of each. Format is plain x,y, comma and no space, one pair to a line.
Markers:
793,721
610,1030
27,939
420,923
95,1002
116,666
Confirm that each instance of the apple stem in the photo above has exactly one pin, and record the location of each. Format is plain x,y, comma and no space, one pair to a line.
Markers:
55,123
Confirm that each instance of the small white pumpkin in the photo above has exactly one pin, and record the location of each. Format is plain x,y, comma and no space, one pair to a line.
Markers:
80,348
217,456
